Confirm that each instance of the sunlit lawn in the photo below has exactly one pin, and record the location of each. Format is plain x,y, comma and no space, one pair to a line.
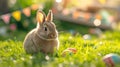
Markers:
89,52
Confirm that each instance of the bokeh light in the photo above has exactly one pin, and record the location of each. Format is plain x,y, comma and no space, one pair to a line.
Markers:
97,22
58,1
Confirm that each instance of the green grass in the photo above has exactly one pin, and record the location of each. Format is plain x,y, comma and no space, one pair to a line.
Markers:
89,52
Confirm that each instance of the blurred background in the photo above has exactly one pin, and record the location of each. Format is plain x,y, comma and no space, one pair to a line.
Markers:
18,17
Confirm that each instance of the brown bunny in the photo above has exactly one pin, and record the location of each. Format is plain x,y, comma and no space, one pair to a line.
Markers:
44,37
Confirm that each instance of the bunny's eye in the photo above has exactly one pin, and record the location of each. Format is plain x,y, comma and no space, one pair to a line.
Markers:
45,28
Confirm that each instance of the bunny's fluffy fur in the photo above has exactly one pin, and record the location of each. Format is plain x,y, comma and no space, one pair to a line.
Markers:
35,43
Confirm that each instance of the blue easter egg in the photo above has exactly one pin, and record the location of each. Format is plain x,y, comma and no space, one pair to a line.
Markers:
111,59
116,58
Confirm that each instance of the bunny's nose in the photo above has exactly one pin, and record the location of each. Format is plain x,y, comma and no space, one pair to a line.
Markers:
52,35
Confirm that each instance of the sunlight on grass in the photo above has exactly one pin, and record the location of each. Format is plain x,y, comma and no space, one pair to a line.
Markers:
89,52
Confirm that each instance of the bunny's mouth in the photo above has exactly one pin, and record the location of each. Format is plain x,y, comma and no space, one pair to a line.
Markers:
46,37
52,36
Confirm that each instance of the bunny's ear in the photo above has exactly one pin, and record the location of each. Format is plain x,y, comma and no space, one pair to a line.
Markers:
49,16
40,16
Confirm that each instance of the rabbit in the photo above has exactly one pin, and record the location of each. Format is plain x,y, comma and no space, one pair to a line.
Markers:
44,38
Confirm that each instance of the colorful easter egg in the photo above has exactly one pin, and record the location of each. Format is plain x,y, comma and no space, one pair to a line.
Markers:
69,51
112,60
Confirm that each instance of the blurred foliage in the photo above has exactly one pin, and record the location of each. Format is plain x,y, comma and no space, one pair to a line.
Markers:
26,23
20,4
48,5
62,26
29,21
